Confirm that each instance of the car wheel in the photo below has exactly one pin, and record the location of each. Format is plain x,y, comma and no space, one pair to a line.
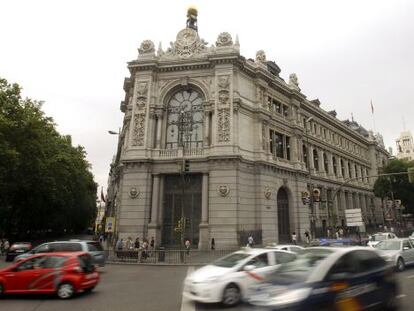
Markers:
400,264
231,295
65,291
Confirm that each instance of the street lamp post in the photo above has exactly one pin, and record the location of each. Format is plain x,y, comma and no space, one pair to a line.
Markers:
311,200
185,132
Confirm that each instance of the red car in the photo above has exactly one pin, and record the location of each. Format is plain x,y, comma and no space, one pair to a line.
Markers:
64,274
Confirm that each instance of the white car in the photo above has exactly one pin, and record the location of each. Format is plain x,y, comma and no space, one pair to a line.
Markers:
378,237
226,280
286,247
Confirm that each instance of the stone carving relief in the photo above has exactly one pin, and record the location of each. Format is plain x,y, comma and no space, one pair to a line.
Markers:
223,109
187,44
264,144
147,47
223,190
224,39
267,193
293,82
260,56
133,193
139,129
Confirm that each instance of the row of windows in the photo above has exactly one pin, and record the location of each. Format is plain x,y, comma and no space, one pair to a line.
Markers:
353,170
336,139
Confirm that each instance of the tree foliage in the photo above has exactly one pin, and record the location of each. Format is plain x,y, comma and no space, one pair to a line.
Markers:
399,185
45,183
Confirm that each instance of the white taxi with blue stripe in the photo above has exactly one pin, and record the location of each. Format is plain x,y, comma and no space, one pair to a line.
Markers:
226,280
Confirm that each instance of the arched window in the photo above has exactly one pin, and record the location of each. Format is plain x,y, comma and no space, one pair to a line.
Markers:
185,120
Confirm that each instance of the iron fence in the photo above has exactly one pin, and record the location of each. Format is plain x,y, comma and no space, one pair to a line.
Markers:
162,256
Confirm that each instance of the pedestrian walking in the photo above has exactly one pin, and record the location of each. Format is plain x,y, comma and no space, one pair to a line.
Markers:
294,238
6,246
250,241
120,245
152,243
136,244
144,249
187,246
307,237
213,244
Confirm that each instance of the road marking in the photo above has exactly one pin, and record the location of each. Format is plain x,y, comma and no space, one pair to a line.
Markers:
410,276
187,304
401,296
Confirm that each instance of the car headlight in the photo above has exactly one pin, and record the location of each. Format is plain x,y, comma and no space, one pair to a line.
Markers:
210,279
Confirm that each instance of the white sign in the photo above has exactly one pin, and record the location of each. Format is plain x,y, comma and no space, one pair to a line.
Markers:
354,224
354,217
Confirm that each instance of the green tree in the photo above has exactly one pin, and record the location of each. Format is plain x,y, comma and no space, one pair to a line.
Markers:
45,183
398,185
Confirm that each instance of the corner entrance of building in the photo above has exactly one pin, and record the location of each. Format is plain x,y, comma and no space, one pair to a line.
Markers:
173,205
283,216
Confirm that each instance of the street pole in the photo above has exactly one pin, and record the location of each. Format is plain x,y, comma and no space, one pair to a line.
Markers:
311,202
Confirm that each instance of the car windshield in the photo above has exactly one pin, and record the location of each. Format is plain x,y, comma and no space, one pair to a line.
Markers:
230,260
300,269
389,245
379,237
94,247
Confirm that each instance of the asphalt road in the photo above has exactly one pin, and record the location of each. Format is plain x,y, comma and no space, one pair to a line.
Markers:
149,288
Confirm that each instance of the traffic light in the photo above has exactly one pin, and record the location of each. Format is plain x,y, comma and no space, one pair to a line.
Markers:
410,171
186,166
316,195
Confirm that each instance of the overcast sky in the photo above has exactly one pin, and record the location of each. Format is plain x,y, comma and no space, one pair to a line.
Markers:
73,55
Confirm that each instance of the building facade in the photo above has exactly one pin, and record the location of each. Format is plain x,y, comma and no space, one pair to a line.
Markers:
405,146
255,145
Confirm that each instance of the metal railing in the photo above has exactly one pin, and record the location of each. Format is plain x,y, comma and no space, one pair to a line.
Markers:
161,256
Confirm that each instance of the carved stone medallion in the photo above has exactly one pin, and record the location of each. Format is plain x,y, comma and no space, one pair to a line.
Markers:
187,44
224,39
133,193
223,190
147,47
267,193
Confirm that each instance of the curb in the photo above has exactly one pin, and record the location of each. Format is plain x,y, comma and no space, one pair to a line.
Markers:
155,264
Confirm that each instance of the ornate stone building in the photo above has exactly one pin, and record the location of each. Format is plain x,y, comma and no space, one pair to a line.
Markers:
251,139
405,146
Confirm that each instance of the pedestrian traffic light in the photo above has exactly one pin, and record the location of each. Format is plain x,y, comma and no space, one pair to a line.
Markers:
186,166
410,171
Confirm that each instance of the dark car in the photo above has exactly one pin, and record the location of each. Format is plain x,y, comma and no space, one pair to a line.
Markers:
322,278
17,249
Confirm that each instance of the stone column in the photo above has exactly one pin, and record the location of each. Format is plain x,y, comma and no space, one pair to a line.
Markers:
153,226
343,203
346,169
310,157
339,167
321,163
294,154
159,129
330,165
204,242
206,128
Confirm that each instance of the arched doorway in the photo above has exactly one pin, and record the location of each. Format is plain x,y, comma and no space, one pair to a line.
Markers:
283,216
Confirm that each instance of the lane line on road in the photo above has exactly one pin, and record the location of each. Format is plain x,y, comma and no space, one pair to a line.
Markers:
410,276
401,296
186,304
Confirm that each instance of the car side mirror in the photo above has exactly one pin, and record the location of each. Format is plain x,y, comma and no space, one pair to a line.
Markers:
249,267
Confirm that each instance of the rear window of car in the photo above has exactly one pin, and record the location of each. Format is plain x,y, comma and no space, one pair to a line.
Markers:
20,246
65,247
86,263
94,247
